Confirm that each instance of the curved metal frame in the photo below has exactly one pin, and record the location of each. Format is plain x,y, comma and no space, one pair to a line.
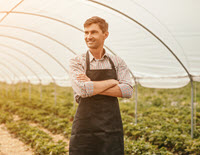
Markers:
163,26
19,51
21,73
11,10
41,49
56,41
19,70
42,34
7,76
51,18
130,18
26,55
5,80
24,74
29,30
22,64
10,70
189,75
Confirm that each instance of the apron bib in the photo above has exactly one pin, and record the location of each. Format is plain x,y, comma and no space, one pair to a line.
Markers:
97,127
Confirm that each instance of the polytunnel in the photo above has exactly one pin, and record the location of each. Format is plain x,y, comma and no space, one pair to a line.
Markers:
159,40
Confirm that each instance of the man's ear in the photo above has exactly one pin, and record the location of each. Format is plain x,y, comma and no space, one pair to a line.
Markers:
106,34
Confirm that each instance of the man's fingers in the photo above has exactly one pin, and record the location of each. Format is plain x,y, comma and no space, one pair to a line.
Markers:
83,78
81,75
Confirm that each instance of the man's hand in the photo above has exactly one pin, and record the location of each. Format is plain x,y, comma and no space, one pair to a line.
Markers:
83,78
100,86
106,87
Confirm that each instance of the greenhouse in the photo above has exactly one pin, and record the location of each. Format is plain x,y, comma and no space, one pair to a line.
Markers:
158,40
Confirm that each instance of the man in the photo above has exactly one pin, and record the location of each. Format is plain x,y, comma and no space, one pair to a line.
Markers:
98,78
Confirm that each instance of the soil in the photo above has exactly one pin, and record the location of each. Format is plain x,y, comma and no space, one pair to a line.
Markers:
9,145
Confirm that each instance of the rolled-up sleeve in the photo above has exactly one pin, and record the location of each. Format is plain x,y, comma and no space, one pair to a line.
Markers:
124,78
82,89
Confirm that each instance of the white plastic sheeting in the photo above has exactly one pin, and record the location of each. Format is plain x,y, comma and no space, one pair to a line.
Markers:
159,40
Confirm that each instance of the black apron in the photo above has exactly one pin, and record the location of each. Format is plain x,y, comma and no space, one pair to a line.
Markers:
97,127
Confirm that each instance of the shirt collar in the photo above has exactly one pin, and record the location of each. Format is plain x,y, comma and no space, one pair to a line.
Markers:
92,57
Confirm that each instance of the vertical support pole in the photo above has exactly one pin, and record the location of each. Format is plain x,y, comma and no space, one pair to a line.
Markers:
20,89
136,102
13,90
1,88
55,97
195,107
6,89
192,110
40,92
29,90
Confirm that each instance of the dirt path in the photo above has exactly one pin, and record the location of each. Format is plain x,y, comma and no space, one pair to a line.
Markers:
10,145
56,137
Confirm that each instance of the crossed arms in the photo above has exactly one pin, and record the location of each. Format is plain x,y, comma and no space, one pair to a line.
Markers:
84,87
107,87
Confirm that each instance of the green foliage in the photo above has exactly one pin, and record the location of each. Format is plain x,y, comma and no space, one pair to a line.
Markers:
163,119
40,141
5,117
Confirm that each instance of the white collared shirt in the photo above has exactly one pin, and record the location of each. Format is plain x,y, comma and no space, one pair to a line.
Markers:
85,89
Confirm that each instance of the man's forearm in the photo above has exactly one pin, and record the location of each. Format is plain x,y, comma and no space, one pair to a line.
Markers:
101,86
113,91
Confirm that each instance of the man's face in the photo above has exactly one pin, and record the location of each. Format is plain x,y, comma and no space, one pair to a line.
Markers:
94,37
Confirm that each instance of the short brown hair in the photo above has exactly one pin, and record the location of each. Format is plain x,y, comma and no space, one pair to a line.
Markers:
97,20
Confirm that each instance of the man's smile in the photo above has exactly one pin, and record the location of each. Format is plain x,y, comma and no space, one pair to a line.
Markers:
90,42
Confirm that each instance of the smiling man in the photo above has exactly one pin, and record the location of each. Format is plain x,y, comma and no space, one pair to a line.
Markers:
98,78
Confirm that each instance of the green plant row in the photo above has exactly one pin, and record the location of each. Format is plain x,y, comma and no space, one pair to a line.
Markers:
40,141
42,117
167,128
61,109
141,146
164,117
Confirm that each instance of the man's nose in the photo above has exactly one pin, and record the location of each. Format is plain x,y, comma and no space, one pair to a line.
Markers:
89,36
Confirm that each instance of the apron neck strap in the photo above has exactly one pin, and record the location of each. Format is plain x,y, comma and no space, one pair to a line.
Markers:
111,62
88,62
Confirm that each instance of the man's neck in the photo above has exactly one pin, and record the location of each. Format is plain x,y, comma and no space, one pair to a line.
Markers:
97,53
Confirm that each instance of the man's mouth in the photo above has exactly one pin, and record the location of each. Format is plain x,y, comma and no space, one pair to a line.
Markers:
91,41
